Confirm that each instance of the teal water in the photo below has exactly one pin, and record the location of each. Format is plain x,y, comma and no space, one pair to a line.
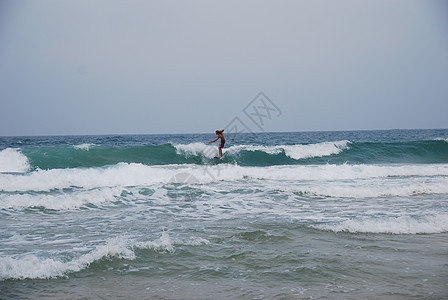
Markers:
263,149
341,215
67,156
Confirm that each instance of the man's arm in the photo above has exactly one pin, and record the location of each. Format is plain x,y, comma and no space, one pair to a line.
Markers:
214,140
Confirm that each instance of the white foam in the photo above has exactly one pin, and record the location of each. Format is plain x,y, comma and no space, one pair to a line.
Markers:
373,188
395,225
124,174
296,152
85,147
11,160
315,150
34,266
167,244
196,149
59,201
267,149
163,243
196,241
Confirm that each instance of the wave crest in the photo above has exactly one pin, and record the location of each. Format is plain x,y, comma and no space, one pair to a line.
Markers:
392,225
35,266
59,200
295,152
85,147
298,152
32,266
124,174
11,160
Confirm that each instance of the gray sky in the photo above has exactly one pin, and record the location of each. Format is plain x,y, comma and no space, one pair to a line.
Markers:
116,67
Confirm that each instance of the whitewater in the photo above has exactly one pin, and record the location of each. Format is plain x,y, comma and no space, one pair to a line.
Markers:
356,214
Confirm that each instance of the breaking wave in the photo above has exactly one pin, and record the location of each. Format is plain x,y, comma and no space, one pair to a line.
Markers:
392,225
43,266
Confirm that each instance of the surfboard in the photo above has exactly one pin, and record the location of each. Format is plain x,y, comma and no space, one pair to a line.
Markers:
218,157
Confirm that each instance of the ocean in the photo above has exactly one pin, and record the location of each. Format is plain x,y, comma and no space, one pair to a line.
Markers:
300,215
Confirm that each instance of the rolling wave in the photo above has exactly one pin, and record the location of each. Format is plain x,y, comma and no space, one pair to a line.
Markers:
337,152
42,266
68,189
391,225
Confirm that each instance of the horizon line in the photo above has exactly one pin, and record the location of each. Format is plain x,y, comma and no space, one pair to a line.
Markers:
192,133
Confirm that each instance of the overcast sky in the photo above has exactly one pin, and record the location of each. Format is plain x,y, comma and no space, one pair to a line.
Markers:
125,67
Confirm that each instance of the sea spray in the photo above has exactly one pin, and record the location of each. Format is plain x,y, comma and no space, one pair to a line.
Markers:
12,160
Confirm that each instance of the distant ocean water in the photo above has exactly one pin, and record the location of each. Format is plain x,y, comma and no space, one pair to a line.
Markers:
340,215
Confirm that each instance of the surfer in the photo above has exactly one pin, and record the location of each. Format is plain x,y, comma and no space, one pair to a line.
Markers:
223,141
